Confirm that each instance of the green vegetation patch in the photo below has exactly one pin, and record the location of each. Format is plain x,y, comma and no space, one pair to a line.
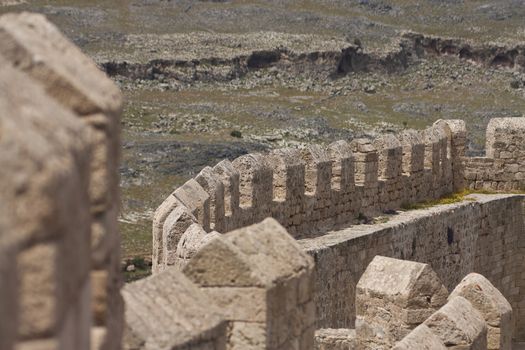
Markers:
450,199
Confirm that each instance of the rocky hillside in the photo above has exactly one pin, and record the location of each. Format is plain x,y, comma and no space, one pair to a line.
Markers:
207,80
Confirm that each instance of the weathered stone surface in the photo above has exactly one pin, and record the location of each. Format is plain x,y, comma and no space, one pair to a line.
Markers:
454,239
343,166
38,48
43,152
492,305
44,184
459,325
99,287
41,344
191,242
390,156
262,280
159,218
421,338
240,304
177,222
249,336
255,181
40,291
213,185
335,339
413,151
35,46
168,312
393,297
318,171
193,197
277,257
502,168
220,264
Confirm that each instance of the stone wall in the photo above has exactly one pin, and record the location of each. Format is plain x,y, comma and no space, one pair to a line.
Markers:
392,298
503,167
484,235
60,248
403,304
315,189
262,281
252,289
168,312
59,128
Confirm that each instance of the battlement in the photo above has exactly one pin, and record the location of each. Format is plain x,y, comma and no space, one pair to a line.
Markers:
503,167
316,189
255,287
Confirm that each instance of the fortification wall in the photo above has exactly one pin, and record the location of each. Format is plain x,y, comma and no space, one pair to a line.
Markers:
503,167
59,147
314,189
484,236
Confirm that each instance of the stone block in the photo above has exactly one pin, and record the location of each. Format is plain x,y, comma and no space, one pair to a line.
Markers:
500,135
40,291
393,297
254,274
40,344
413,151
245,304
288,176
255,182
229,259
177,222
35,46
45,157
421,338
390,154
43,153
220,264
213,185
247,336
168,312
318,171
192,196
230,179
192,240
459,325
343,178
492,305
335,339
99,296
159,218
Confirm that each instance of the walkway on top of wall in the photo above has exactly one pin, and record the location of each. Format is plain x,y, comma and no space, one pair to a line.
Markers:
401,218
483,233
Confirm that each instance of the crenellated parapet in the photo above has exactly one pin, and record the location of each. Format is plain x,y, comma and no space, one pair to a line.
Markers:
314,189
403,305
251,288
503,167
